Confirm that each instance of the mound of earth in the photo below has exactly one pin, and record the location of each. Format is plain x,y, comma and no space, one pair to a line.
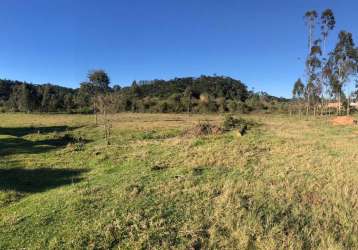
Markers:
343,120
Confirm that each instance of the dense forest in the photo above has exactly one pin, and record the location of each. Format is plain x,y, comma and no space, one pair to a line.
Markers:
197,95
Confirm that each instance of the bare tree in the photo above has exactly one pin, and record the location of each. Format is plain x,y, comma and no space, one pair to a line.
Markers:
310,18
314,85
328,23
188,94
99,83
106,106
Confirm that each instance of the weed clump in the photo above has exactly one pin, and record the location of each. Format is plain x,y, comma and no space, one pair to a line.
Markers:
204,128
231,123
159,166
9,197
198,171
134,189
75,143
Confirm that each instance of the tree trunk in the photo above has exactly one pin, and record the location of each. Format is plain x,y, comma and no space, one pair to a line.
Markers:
348,106
339,104
189,104
307,110
107,127
328,108
95,113
308,105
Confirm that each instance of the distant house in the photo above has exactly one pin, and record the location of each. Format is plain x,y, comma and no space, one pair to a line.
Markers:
354,105
334,105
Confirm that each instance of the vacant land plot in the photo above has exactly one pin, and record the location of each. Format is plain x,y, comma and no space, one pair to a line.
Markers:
286,184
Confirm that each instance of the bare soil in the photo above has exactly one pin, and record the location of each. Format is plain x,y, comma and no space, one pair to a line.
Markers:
343,120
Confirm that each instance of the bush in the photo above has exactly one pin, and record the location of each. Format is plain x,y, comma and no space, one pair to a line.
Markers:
242,108
231,123
75,143
203,128
232,106
85,110
237,106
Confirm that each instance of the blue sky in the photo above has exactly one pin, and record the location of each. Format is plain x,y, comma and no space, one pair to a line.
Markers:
258,42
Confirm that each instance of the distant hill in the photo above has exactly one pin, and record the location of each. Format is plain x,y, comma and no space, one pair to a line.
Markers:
212,85
201,94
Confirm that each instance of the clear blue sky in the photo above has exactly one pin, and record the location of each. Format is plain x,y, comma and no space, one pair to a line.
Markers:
258,42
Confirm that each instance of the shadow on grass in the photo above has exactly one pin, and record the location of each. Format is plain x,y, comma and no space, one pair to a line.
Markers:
37,180
9,146
22,131
18,145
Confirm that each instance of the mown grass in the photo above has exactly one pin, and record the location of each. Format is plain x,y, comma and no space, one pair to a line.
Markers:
287,184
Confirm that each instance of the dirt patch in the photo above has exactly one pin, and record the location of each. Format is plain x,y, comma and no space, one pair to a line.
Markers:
343,120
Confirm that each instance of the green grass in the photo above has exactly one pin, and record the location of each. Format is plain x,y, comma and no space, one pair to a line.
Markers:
286,184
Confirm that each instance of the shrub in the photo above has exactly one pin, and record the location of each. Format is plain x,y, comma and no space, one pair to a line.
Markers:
74,142
242,108
237,106
85,110
231,123
203,128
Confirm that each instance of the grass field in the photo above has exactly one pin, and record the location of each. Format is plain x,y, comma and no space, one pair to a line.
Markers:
289,183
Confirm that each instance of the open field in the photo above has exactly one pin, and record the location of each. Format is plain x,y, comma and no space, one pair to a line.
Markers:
287,184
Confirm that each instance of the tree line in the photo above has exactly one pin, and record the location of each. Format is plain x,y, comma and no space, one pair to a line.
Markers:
194,95
328,74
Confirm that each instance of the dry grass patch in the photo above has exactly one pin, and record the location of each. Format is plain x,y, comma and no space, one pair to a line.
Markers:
289,183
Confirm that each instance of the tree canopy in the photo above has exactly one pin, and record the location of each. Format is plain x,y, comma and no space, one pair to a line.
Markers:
188,94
